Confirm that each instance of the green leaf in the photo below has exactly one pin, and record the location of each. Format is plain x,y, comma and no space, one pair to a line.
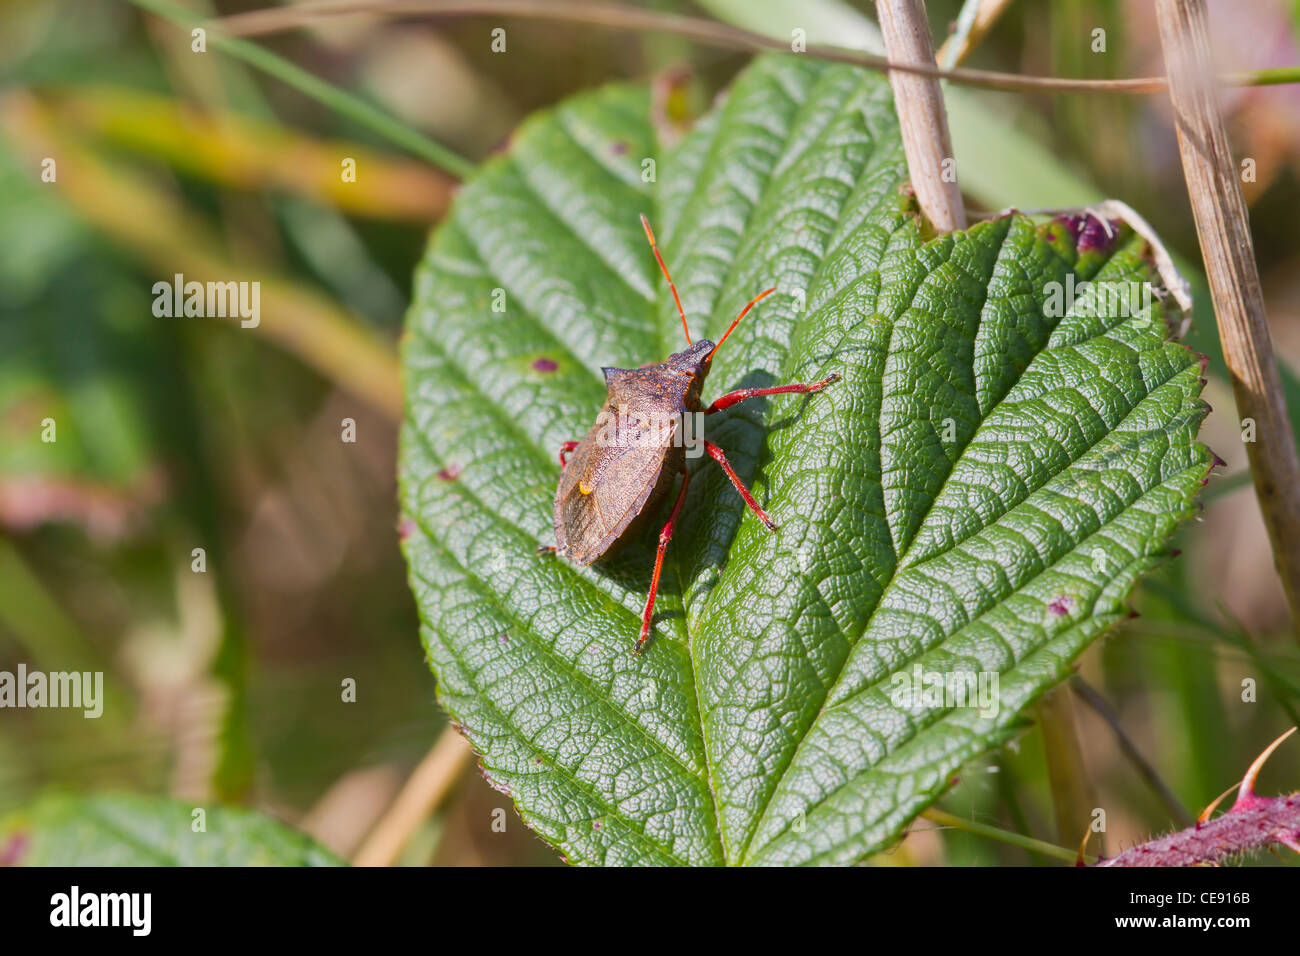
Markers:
977,494
130,830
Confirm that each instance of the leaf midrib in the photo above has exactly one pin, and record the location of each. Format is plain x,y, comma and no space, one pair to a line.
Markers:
781,163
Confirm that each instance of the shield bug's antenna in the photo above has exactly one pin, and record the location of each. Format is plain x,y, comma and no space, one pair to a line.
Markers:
655,248
752,303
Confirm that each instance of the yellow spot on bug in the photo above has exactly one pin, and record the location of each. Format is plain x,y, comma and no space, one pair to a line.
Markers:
585,488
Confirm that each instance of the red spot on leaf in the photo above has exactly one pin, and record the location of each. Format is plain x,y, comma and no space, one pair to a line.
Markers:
1060,605
545,365
450,473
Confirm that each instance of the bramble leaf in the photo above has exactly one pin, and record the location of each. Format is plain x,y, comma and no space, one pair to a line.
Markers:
119,829
1010,446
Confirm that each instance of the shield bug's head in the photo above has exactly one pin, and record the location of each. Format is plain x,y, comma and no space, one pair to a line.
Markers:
693,364
695,359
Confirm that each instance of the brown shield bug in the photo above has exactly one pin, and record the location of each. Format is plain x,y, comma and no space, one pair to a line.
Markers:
614,480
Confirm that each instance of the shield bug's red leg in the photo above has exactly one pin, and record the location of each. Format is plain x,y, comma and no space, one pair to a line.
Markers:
567,447
740,395
665,536
720,457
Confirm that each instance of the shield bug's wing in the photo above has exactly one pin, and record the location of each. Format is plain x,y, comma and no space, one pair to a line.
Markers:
606,484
